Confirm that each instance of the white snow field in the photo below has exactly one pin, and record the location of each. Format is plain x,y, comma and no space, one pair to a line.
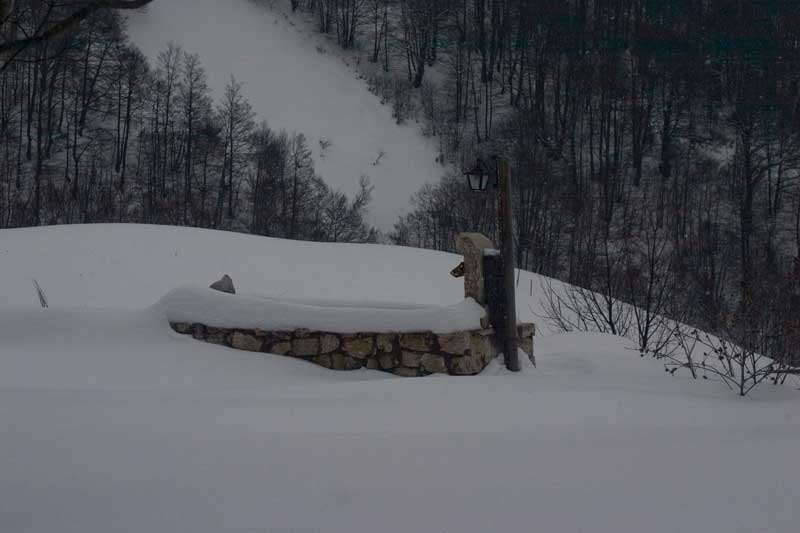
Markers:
110,422
297,87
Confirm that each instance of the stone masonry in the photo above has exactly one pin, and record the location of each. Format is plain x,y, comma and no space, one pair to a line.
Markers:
461,353
404,354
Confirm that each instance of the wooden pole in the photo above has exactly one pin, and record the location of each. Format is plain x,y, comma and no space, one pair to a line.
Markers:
511,341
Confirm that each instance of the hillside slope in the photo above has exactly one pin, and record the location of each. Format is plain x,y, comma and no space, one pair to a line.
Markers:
111,422
296,82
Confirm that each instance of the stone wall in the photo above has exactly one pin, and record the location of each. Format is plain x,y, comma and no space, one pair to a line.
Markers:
403,354
462,353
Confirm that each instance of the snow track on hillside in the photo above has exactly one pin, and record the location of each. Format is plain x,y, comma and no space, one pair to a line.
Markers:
296,81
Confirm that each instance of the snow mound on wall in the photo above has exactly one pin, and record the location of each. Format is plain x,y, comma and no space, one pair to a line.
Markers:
191,304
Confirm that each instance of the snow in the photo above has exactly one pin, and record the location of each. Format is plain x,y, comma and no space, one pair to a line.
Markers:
133,266
201,305
109,421
296,81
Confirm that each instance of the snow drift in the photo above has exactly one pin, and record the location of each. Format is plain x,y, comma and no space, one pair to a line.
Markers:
112,422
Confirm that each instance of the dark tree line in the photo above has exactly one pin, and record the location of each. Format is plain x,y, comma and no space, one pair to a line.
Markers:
91,132
655,146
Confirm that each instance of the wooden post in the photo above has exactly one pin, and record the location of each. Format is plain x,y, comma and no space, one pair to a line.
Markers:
511,341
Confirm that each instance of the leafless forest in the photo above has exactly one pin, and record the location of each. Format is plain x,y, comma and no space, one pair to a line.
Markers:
654,146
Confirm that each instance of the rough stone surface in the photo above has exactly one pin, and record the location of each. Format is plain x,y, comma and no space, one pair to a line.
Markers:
216,336
242,341
410,359
360,348
526,330
433,364
329,343
323,360
422,353
305,346
526,333
526,344
406,372
281,348
225,284
342,361
420,342
385,342
387,362
467,365
481,347
454,343
472,246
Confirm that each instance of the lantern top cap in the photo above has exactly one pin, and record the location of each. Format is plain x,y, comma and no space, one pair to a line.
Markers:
480,168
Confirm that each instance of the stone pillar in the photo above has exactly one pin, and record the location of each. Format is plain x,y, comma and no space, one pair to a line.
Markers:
473,247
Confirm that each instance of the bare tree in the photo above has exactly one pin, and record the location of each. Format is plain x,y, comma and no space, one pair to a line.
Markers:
55,22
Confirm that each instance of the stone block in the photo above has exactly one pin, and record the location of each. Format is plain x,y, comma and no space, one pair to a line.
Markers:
340,361
420,342
454,343
526,329
199,331
373,364
472,247
410,359
481,346
243,341
225,284
385,342
472,242
328,343
406,372
358,347
466,365
526,333
305,346
217,336
323,360
526,344
434,364
281,348
181,327
387,362
301,333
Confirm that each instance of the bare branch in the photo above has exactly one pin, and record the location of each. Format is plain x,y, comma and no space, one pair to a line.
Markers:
42,35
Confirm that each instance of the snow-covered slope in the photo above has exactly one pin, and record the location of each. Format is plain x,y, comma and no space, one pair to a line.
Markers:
132,266
295,81
111,422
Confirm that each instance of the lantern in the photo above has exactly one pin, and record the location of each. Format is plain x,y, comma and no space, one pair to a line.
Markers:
478,178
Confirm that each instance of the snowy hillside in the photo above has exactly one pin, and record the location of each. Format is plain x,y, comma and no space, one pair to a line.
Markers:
111,422
296,82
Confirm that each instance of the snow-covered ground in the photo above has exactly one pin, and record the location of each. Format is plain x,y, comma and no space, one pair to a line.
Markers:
296,81
111,422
